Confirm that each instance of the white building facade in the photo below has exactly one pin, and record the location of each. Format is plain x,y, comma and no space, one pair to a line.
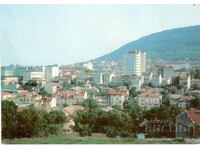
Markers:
50,72
134,63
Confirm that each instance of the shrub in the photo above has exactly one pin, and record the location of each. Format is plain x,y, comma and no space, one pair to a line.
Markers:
124,133
84,129
111,132
56,117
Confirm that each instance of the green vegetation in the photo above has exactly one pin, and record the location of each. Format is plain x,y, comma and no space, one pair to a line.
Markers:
196,74
88,71
123,123
30,122
29,85
133,92
72,139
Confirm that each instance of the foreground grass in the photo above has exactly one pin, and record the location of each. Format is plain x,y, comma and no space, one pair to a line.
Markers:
71,139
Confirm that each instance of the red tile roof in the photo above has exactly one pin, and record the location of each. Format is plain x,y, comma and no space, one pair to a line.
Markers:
117,91
194,115
5,93
114,91
150,93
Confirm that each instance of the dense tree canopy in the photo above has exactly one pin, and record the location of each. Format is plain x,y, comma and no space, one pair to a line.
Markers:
30,122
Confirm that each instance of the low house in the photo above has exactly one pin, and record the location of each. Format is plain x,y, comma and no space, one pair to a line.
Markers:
195,82
188,124
174,98
121,79
6,95
70,97
10,79
103,100
118,96
150,98
45,102
195,92
25,97
185,101
180,100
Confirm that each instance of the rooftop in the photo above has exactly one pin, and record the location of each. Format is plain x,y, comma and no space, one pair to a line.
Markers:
194,115
150,93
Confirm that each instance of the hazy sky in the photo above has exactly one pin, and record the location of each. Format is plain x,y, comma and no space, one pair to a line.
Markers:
65,34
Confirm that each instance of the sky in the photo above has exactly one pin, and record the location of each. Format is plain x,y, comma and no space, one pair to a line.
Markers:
67,34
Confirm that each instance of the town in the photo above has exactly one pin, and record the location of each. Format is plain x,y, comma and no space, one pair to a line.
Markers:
153,87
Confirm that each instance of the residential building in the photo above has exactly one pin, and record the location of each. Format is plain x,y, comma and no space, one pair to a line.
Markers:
185,102
50,88
156,80
88,65
10,79
50,72
103,100
174,99
70,97
13,87
7,71
185,81
150,98
134,63
33,75
181,100
147,76
195,82
47,103
6,95
118,96
165,70
188,124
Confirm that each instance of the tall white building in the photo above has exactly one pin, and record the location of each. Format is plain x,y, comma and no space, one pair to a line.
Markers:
50,72
134,63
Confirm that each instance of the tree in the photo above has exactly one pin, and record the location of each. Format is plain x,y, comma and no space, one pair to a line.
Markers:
166,100
30,123
133,92
196,74
90,103
114,85
172,89
9,119
196,86
43,92
176,81
66,85
56,117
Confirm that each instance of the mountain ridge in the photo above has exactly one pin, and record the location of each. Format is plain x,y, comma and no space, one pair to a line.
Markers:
173,44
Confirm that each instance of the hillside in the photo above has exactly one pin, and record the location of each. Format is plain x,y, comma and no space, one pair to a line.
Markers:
175,44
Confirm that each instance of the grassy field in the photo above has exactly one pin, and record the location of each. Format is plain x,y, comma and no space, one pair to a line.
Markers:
73,139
